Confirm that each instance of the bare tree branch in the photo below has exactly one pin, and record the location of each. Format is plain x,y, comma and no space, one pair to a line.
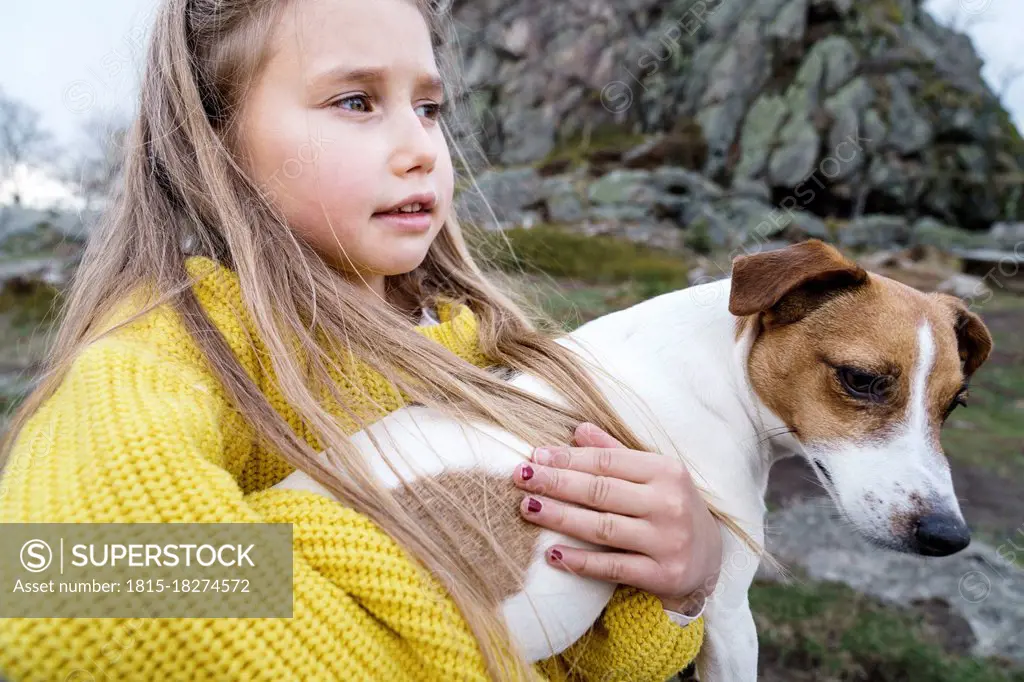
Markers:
95,168
22,139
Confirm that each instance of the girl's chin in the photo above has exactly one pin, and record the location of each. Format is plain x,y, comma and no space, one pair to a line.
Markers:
399,265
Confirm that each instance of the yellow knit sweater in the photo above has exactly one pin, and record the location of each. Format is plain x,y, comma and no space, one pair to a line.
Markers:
140,431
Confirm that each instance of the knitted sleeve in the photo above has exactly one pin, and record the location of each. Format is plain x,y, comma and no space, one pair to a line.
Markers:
633,640
131,438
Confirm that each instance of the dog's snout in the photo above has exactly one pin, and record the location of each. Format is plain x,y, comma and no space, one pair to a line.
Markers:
941,534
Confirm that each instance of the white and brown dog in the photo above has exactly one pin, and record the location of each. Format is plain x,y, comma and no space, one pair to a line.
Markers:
800,352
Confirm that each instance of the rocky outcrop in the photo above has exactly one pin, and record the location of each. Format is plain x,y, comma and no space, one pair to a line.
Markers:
651,205
842,108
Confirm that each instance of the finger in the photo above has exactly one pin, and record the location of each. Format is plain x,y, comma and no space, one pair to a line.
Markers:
597,492
614,567
592,435
601,528
629,465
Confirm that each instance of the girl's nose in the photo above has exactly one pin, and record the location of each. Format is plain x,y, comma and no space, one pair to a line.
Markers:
415,149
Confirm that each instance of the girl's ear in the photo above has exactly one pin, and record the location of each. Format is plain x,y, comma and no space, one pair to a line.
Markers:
973,338
789,283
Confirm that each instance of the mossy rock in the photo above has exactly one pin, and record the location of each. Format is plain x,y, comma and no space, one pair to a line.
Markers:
603,143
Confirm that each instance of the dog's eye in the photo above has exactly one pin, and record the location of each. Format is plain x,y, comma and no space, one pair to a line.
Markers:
864,385
959,401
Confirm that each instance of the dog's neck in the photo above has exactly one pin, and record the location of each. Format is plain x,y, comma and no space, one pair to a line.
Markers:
681,355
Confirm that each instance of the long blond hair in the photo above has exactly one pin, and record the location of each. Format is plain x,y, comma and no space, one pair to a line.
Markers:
184,193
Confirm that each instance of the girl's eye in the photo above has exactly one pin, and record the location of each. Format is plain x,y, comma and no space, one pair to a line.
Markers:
357,103
431,110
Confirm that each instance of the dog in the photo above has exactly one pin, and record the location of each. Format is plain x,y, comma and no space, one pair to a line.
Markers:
800,352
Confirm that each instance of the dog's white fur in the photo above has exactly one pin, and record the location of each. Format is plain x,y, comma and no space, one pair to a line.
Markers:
689,395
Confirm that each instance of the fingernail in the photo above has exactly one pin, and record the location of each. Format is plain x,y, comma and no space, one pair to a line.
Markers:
555,555
533,505
541,455
526,473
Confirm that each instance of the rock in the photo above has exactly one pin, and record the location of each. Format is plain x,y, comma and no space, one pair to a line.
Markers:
758,136
978,583
1007,235
733,82
622,187
563,202
481,66
973,159
516,37
931,232
840,61
753,220
855,96
873,131
845,157
965,286
790,23
530,135
807,225
875,231
884,259
909,131
1003,270
510,193
640,196
682,181
796,156
753,189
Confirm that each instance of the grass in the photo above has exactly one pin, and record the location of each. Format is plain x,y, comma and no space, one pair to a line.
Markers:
842,635
596,260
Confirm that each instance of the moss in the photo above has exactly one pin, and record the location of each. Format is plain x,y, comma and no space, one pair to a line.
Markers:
940,93
893,11
604,140
601,259
28,305
835,226
698,236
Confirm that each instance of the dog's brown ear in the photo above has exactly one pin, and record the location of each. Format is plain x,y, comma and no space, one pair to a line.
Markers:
787,284
972,336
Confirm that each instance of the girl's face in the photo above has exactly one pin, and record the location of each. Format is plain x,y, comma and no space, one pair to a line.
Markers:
342,126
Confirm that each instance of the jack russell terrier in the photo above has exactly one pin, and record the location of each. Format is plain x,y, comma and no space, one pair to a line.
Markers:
800,352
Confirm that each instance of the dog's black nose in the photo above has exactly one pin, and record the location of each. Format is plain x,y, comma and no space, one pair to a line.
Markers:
941,534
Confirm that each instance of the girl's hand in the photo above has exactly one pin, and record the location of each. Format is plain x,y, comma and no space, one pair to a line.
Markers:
639,502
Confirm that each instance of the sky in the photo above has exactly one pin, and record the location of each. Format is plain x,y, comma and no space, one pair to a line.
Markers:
73,60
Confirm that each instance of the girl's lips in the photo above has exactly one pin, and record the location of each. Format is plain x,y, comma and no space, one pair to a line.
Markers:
407,222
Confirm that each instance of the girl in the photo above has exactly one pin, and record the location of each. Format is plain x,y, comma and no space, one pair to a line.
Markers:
281,267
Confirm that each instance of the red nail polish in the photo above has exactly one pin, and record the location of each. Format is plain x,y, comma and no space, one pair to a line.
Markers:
555,555
533,505
527,472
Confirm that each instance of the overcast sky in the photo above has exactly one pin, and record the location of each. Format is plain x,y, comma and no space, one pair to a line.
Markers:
72,60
